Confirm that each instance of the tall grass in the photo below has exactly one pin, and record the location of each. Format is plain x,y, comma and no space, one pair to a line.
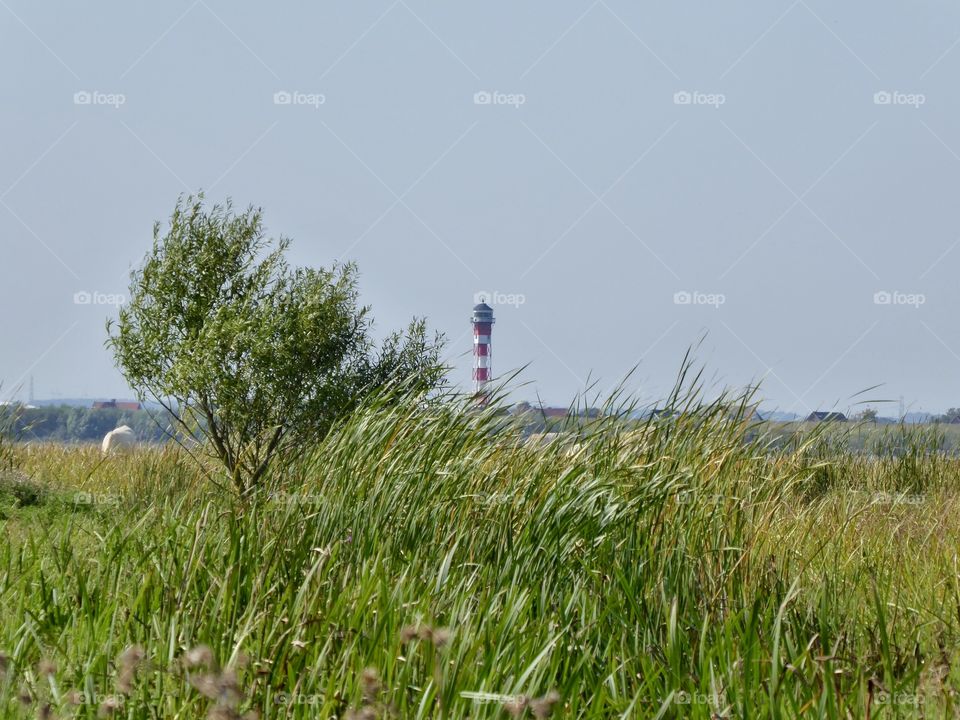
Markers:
435,562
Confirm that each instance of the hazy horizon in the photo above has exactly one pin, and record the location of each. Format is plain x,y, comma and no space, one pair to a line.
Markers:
775,179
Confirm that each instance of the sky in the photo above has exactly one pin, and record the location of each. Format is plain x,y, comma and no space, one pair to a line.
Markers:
773,183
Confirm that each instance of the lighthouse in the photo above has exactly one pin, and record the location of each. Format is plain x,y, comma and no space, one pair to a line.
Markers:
482,320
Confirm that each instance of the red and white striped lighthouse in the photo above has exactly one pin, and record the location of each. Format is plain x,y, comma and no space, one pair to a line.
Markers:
482,320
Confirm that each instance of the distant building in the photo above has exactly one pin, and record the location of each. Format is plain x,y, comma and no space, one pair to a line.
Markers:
117,405
825,416
539,411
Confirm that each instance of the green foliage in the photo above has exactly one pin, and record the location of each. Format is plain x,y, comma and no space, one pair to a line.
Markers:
259,358
9,421
950,416
17,488
69,424
431,561
869,415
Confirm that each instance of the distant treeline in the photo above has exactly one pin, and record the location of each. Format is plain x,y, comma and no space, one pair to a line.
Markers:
80,425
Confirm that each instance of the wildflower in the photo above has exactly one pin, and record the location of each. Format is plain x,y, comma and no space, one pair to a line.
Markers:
109,707
543,707
370,683
206,685
222,712
133,655
222,687
129,661
440,637
200,656
366,713
229,687
46,668
516,706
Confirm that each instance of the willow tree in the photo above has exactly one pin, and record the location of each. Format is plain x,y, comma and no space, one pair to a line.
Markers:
259,358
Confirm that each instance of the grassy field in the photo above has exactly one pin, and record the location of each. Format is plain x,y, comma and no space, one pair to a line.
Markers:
428,563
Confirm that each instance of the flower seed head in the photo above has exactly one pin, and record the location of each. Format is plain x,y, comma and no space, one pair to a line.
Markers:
206,685
440,637
517,706
200,656
109,707
131,657
370,683
543,707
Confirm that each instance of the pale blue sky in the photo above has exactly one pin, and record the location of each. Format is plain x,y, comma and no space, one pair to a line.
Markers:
782,197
